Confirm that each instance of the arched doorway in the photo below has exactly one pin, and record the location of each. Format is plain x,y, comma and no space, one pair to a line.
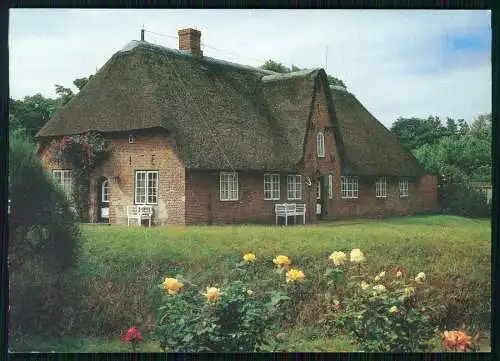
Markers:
103,200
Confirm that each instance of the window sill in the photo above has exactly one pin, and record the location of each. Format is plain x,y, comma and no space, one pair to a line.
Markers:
273,199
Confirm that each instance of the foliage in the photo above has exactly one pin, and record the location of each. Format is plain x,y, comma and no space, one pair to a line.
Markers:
82,154
456,196
43,247
416,132
32,112
280,68
232,318
385,314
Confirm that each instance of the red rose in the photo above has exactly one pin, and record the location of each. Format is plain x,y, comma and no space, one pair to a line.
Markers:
132,335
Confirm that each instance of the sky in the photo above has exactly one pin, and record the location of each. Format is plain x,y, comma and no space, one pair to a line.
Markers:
397,63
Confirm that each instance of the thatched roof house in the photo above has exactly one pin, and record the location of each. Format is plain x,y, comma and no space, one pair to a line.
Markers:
221,116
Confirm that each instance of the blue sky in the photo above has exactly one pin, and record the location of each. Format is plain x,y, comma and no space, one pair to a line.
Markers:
397,63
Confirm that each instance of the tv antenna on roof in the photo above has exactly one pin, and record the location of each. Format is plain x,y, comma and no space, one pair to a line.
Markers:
326,58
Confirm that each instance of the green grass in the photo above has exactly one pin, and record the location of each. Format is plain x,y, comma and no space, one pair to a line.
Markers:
121,265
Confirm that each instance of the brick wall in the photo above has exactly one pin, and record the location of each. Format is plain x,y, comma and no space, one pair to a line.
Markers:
203,204
422,193
148,152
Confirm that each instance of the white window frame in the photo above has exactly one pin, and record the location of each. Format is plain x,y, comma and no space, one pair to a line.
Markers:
381,187
105,191
64,178
349,187
330,186
228,186
150,191
271,187
294,187
320,145
403,188
318,190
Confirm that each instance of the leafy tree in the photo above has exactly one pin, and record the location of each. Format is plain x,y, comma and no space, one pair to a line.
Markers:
481,127
470,154
277,67
81,82
32,112
65,94
43,246
415,132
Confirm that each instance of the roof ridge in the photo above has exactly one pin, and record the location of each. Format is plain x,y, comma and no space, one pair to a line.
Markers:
136,43
290,75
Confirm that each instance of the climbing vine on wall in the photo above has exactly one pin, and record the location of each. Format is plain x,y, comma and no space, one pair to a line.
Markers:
82,154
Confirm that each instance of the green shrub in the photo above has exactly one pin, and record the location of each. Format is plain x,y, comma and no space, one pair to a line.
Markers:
232,318
43,247
457,197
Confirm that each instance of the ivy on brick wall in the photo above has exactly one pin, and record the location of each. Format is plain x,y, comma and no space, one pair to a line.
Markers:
82,154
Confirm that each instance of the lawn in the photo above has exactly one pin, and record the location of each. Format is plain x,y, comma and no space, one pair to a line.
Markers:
122,265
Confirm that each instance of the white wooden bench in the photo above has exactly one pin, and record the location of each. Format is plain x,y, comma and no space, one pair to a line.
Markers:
139,213
290,209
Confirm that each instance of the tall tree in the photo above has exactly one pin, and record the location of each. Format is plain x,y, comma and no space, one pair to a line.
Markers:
481,126
415,132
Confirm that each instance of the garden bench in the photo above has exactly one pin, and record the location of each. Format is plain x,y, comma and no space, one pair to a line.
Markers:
139,213
290,209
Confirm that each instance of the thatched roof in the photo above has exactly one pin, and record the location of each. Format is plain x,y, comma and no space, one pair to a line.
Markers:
370,147
224,115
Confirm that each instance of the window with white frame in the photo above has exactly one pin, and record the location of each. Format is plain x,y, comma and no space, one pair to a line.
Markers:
294,187
381,187
330,186
320,145
271,187
318,191
228,186
105,192
403,188
146,187
63,178
349,187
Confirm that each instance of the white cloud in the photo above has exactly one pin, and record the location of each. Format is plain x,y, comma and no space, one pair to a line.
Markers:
395,62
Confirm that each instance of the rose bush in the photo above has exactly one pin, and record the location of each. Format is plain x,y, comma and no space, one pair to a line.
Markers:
226,318
381,313
82,154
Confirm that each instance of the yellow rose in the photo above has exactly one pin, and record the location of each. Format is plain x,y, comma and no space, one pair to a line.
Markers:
379,276
409,291
364,285
282,261
172,285
249,257
338,258
295,275
420,277
212,293
357,256
393,309
379,288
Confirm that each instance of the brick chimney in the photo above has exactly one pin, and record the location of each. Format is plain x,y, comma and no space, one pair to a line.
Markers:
189,39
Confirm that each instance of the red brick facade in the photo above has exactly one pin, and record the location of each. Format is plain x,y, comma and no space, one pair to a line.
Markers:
193,196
